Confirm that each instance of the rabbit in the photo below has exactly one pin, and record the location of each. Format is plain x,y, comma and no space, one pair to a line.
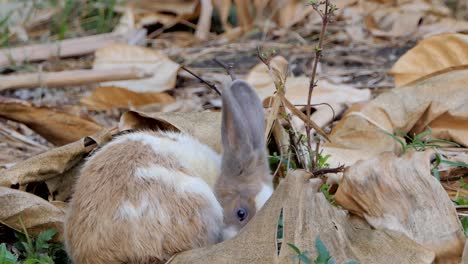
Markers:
148,195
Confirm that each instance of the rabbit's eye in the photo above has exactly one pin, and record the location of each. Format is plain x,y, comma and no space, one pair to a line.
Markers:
241,214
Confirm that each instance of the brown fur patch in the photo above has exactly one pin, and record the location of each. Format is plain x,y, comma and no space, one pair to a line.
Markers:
94,232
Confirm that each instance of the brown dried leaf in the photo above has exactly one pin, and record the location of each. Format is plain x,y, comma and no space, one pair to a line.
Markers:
54,162
393,22
58,127
179,7
306,216
292,12
36,213
204,126
450,172
150,61
431,55
114,97
297,87
438,102
400,194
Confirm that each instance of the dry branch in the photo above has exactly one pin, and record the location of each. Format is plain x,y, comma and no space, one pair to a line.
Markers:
74,77
65,48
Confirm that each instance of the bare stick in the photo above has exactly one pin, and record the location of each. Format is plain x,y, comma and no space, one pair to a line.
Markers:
65,48
303,117
74,77
226,67
323,171
212,86
318,52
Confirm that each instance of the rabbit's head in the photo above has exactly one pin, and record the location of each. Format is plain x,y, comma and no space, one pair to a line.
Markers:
245,182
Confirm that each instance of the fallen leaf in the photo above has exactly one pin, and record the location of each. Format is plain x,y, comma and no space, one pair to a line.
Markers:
292,12
393,22
204,126
55,125
400,194
431,55
297,88
179,7
54,162
150,61
336,96
452,172
438,102
104,98
306,216
444,25
36,213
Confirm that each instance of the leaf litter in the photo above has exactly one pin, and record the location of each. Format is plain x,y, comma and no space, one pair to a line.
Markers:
371,48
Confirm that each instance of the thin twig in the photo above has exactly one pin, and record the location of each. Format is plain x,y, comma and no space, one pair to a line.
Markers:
212,86
327,104
318,52
323,171
303,117
226,67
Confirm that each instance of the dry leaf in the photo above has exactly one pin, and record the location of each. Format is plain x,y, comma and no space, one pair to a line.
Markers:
58,127
179,7
204,126
292,12
263,80
297,88
36,213
114,97
400,194
54,162
393,22
306,216
431,55
438,102
150,61
444,25
451,172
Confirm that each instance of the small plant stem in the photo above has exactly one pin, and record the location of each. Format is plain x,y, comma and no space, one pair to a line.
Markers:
323,171
212,86
317,153
226,68
312,84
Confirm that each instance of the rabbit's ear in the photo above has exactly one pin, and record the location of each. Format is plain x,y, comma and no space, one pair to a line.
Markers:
243,125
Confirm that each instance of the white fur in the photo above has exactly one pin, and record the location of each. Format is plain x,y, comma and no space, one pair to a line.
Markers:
263,196
198,158
128,210
229,232
181,183
203,163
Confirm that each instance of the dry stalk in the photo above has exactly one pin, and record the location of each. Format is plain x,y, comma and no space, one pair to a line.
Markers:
326,16
265,57
210,85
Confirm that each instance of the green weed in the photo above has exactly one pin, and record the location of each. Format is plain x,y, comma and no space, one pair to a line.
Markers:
325,189
322,160
419,142
423,141
38,250
323,256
